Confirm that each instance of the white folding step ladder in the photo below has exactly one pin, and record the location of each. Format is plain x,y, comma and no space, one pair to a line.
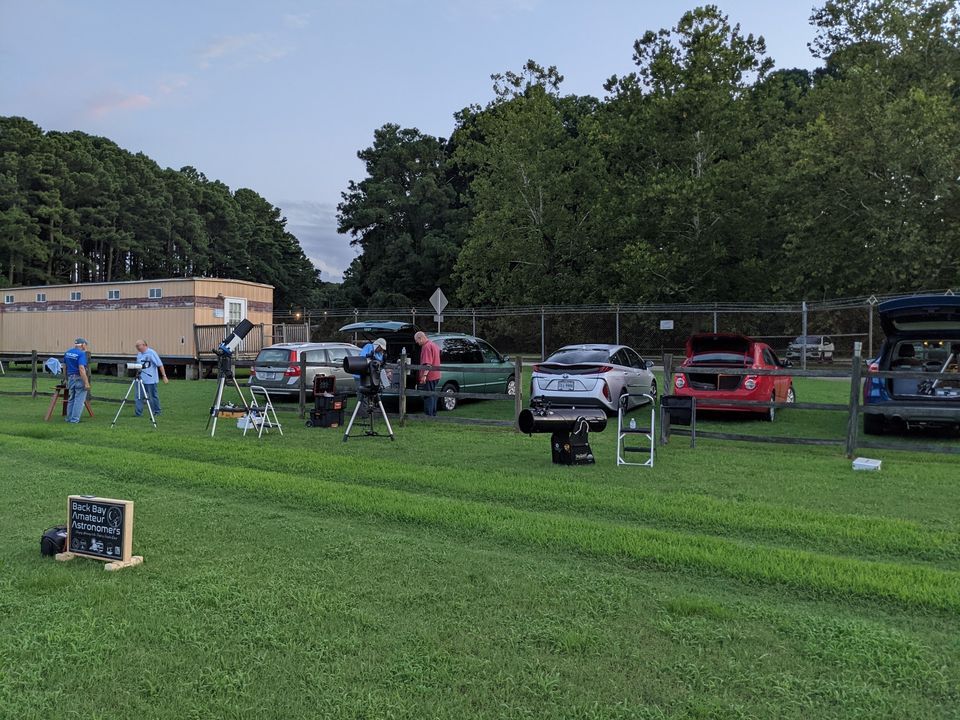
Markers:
624,432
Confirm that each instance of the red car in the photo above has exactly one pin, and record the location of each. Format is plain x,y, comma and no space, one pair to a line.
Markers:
735,351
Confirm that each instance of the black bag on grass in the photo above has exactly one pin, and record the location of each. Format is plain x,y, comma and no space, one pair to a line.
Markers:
53,540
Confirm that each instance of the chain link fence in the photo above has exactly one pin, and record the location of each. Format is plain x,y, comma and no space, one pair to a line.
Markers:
536,331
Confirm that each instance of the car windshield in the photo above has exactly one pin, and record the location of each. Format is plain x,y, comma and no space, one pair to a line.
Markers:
720,358
811,340
273,356
577,356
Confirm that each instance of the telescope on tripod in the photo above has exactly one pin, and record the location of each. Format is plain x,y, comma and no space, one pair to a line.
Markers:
136,384
370,372
225,374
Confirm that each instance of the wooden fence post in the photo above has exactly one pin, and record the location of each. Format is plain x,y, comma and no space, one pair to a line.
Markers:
667,373
403,387
518,391
33,373
303,384
853,421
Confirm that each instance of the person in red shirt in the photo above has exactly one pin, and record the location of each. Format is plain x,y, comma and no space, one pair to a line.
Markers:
427,380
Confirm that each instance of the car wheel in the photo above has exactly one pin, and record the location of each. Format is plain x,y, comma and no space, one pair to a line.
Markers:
512,386
791,395
653,391
449,399
873,424
771,414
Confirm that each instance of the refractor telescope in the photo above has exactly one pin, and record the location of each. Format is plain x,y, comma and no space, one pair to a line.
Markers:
233,340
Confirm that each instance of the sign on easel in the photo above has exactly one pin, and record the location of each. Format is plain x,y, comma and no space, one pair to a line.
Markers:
101,529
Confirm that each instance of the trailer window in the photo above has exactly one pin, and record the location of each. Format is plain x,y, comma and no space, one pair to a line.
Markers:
75,295
41,297
8,299
113,294
156,293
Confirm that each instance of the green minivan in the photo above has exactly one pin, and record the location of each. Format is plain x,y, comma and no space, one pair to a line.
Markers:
456,349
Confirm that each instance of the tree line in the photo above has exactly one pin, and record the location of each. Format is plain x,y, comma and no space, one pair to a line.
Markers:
705,174
78,208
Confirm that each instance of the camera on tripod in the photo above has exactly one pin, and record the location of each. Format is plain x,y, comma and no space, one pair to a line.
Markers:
135,366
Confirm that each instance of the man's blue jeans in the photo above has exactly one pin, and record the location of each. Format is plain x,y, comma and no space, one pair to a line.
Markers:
430,403
78,394
152,396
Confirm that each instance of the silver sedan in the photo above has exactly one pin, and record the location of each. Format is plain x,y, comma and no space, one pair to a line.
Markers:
593,376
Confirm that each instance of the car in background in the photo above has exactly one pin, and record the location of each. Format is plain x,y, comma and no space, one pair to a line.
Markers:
593,376
818,347
481,368
277,368
922,335
712,387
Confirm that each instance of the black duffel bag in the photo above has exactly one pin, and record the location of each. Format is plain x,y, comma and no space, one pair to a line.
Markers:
53,540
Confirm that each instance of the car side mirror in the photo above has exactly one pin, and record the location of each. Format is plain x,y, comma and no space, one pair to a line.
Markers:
786,363
648,364
506,358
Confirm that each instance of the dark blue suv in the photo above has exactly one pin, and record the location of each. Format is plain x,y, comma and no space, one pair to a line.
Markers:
922,336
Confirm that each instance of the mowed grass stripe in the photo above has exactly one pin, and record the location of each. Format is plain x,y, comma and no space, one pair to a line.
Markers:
912,586
831,532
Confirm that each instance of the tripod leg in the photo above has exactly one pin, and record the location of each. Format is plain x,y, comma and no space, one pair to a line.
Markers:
123,402
386,419
215,410
346,433
146,400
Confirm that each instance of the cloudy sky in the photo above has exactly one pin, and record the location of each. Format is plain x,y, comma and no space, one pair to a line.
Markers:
279,96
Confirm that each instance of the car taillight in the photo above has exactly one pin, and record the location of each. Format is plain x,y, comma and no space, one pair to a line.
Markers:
603,369
679,382
294,369
536,368
751,382
606,390
873,367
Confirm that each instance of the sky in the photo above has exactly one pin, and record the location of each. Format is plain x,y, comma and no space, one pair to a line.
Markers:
279,96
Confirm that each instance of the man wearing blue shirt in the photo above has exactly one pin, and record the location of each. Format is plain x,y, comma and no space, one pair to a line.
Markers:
152,365
78,379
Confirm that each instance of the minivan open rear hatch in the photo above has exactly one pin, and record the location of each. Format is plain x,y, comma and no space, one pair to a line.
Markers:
924,313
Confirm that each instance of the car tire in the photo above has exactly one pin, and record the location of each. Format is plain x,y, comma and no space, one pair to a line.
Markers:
791,395
653,391
771,413
873,424
511,386
449,399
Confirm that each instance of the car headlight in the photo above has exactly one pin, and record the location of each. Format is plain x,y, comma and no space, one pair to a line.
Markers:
751,382
679,382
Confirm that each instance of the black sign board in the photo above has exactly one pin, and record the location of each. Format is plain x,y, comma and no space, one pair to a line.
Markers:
99,527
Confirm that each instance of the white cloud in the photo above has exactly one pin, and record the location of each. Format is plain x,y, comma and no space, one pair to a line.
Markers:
257,47
315,225
296,21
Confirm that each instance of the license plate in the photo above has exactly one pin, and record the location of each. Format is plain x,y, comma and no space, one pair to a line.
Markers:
266,376
565,385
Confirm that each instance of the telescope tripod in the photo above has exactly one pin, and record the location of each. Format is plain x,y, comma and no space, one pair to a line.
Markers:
137,383
224,374
373,402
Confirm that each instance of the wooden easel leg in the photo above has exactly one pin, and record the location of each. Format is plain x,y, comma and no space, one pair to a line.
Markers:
53,405
86,404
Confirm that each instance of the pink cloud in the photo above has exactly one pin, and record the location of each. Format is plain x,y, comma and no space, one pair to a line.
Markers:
109,103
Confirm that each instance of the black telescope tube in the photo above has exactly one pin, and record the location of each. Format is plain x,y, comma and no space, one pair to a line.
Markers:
357,365
551,421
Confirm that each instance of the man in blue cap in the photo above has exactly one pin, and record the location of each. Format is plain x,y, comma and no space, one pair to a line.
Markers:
78,379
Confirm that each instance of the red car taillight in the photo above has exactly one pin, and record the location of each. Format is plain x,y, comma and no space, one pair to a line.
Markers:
751,382
606,390
873,367
679,382
603,369
536,368
294,369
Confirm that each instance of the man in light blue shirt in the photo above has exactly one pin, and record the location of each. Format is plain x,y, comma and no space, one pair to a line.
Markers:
150,374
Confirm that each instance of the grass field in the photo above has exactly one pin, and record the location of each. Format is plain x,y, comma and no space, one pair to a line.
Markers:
456,573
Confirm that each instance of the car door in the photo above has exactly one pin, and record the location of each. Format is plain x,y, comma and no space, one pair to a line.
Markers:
780,382
493,382
335,356
644,376
453,352
316,365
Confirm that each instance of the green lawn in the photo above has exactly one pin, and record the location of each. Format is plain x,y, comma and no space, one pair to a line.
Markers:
457,573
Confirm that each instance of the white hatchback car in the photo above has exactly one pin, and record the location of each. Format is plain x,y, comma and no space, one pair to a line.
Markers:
593,376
